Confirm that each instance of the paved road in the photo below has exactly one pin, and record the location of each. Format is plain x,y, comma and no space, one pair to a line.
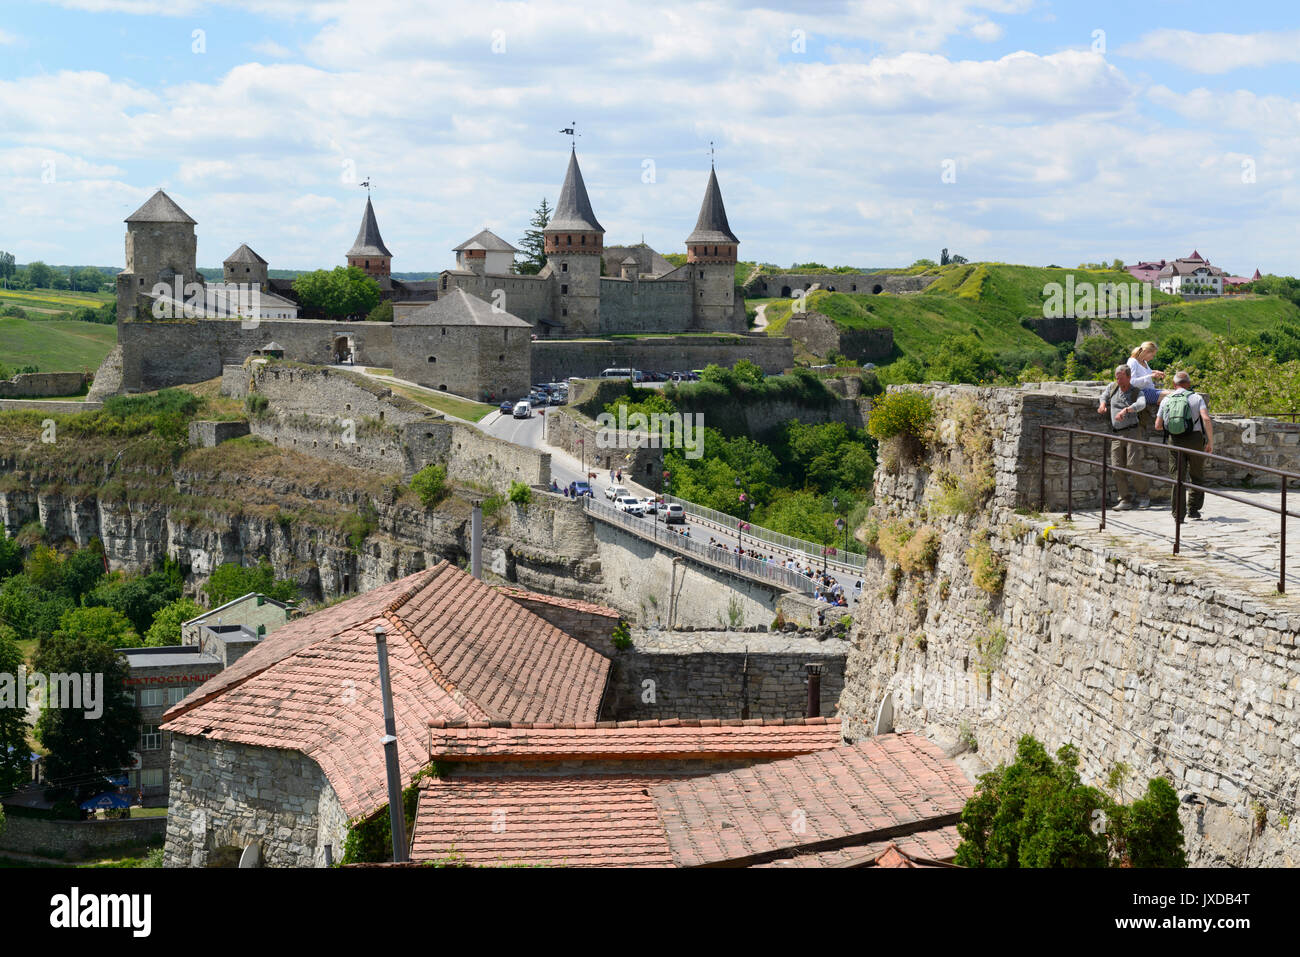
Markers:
565,469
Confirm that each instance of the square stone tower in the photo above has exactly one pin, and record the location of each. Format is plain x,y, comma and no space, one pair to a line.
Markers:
161,247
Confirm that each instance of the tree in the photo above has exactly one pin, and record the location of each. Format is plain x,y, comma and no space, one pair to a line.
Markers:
7,267
84,746
338,292
13,720
11,555
166,627
228,582
1036,812
139,597
39,275
86,279
533,243
99,624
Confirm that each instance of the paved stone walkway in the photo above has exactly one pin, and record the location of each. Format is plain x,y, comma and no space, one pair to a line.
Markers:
1235,539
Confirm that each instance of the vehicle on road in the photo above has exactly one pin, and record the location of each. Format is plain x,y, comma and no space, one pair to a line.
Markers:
615,492
581,488
507,408
674,514
618,374
650,506
556,399
626,503
523,410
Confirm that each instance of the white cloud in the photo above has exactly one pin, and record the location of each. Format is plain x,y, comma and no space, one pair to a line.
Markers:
1215,52
7,39
270,48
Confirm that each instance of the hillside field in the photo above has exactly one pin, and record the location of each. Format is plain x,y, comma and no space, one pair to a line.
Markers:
52,301
989,300
55,345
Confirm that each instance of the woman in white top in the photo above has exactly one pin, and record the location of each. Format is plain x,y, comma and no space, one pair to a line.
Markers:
1143,376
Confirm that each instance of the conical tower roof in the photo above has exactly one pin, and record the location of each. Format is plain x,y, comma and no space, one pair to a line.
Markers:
160,208
573,208
712,225
369,242
245,255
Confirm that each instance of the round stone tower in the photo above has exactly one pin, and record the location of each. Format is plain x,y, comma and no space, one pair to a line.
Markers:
711,256
574,244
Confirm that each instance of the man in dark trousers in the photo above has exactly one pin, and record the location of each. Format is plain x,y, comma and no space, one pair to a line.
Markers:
1185,418
1125,403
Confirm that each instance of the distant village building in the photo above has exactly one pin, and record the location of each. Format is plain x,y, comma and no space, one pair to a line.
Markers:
1192,275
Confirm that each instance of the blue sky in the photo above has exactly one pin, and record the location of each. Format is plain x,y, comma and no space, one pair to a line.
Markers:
1171,129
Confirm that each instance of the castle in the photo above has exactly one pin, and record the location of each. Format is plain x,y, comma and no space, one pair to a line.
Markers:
472,331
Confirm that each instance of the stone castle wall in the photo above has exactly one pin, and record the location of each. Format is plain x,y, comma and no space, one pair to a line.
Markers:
35,385
644,305
587,358
764,285
76,839
821,336
1130,656
722,675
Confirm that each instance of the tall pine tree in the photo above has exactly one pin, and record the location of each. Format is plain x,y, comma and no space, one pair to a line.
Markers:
533,244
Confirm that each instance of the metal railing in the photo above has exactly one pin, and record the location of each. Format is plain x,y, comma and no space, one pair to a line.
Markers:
814,553
1179,481
764,571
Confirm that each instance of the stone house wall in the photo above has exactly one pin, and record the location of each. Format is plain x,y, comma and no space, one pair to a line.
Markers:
76,839
35,385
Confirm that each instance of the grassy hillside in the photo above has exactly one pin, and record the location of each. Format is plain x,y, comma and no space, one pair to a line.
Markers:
51,301
989,300
55,345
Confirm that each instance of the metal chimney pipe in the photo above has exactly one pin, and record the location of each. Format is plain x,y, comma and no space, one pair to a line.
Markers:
814,689
476,540
396,813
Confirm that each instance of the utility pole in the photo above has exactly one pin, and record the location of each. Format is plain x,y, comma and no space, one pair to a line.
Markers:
396,813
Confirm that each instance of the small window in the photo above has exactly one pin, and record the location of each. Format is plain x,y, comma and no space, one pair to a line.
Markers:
564,267
150,738
151,777
568,240
501,358
444,332
261,630
583,240
433,358
151,697
564,312
701,273
564,289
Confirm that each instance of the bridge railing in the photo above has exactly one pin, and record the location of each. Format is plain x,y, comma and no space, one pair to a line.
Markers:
722,558
811,551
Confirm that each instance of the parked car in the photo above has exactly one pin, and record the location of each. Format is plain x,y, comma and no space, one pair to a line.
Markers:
629,504
581,488
615,492
674,514
649,506
507,407
523,410
555,399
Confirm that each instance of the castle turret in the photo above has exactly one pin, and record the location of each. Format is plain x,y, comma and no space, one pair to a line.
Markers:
574,242
711,256
369,253
161,247
245,266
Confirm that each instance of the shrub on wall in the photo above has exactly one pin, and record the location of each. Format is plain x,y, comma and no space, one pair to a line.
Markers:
987,570
901,421
430,484
521,493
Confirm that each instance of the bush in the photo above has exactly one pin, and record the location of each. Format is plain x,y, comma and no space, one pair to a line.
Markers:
921,553
430,484
256,403
521,493
987,570
901,413
621,636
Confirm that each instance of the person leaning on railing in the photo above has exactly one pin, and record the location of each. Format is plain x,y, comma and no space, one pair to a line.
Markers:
1185,418
1126,403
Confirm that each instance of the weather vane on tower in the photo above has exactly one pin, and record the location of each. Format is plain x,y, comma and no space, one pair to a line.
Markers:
572,133
366,184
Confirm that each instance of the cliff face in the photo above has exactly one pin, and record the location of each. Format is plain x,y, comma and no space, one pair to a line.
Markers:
332,529
984,624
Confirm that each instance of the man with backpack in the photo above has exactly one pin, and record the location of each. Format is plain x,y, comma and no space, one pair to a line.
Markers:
1184,417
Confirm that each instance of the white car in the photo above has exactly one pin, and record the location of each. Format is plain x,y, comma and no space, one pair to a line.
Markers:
674,514
649,506
615,492
626,503
523,410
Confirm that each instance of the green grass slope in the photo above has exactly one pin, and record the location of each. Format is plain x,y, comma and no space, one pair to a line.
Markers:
989,300
55,345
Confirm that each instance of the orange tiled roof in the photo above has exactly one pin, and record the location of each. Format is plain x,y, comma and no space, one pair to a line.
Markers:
629,740
920,849
566,821
577,604
880,789
457,649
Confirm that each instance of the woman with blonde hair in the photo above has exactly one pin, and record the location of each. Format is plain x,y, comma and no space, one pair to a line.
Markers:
1144,377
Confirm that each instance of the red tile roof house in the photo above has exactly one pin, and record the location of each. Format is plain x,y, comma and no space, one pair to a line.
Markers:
579,795
687,794
283,748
